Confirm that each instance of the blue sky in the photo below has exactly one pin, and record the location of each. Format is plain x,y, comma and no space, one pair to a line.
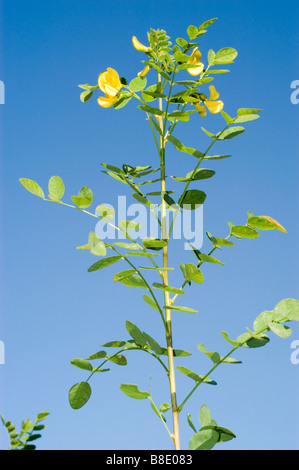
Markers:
52,309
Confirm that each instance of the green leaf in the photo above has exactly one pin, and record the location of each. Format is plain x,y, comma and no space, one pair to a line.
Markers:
138,84
32,187
150,302
209,259
264,222
41,416
86,95
142,199
250,341
262,321
231,132
214,356
105,212
114,344
181,147
173,290
224,334
79,395
225,55
123,274
133,281
103,263
123,101
181,309
209,134
118,359
246,118
97,355
190,422
176,353
206,24
192,199
133,391
96,246
193,273
56,188
244,231
135,333
205,417
204,439
280,330
189,373
153,344
288,309
86,193
192,32
216,157
165,407
82,364
245,111
154,243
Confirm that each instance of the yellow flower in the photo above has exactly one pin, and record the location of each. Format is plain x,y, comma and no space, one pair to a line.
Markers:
140,47
107,101
195,60
144,71
213,104
109,82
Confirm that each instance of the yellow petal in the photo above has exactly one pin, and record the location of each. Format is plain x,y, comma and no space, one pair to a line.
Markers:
144,71
195,60
214,95
140,47
107,101
201,110
109,82
214,106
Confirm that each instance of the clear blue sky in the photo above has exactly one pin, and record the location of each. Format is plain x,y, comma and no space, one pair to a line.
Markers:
52,309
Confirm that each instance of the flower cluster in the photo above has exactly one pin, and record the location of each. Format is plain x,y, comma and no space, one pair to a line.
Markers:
110,83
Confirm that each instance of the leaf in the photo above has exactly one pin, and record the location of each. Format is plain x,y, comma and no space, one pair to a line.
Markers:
214,356
246,118
244,231
41,416
181,309
225,55
138,84
245,111
123,101
192,32
181,147
190,422
165,407
247,340
193,273
105,212
123,274
173,290
287,308
133,391
209,259
150,302
154,243
32,187
114,344
153,344
96,246
206,24
133,281
82,364
204,439
103,263
56,188
231,132
264,222
79,395
118,359
86,95
216,157
97,355
280,330
205,417
192,199
224,334
189,373
209,134
86,193
135,333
